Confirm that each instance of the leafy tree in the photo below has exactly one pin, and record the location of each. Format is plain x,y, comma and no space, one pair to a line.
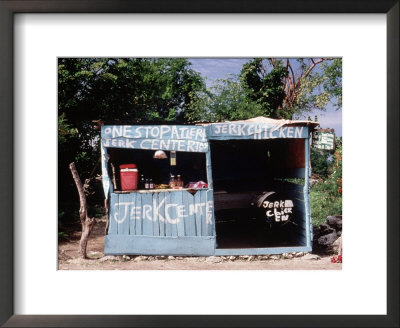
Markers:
276,88
121,89
286,87
264,87
65,131
226,100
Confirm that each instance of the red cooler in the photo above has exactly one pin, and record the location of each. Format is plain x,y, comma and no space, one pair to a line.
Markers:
129,176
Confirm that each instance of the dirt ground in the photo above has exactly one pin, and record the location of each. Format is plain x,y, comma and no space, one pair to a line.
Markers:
68,258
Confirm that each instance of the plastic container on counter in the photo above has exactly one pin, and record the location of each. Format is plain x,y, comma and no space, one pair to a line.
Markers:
129,177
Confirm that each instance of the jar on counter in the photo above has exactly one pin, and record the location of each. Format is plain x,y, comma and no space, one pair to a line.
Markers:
172,182
179,182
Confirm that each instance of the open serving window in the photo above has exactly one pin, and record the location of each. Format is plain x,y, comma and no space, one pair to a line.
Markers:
189,167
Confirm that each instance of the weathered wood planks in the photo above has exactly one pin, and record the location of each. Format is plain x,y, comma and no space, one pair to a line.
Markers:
147,217
164,214
147,245
138,216
161,197
113,226
123,214
199,212
169,227
133,214
180,216
189,219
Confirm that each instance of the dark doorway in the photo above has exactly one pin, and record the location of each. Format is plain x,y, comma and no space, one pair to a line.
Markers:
246,173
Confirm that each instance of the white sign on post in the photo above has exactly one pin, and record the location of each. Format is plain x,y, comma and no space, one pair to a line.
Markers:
324,139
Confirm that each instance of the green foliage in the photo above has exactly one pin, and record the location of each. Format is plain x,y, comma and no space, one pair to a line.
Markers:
226,100
65,131
264,84
132,89
323,205
320,162
120,89
275,88
288,87
320,86
326,196
298,181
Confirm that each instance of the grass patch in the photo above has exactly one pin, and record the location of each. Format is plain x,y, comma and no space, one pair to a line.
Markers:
298,181
323,204
326,196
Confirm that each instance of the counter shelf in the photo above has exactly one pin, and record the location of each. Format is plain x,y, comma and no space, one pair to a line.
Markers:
142,191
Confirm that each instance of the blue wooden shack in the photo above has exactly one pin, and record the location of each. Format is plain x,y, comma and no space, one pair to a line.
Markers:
250,205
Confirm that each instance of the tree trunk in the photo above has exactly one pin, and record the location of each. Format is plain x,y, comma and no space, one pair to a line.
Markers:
86,222
87,227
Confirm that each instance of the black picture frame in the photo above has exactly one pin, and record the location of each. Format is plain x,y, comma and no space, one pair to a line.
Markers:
10,7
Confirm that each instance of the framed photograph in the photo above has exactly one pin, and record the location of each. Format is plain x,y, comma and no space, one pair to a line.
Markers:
34,35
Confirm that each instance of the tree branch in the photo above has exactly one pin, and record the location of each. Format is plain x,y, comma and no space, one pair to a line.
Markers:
308,71
86,222
81,192
294,78
273,61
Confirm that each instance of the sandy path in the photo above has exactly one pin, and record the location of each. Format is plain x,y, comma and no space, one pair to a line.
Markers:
68,259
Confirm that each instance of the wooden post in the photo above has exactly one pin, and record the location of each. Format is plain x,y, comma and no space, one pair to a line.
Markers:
86,222
113,176
107,212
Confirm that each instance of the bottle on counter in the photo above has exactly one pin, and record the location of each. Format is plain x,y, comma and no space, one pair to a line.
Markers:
151,184
142,182
172,182
179,182
147,184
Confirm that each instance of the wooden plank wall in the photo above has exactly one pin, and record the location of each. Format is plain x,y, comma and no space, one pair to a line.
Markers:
123,215
149,245
147,217
162,214
161,221
138,215
113,226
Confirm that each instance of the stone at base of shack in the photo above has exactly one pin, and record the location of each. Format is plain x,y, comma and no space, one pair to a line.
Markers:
208,259
328,236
